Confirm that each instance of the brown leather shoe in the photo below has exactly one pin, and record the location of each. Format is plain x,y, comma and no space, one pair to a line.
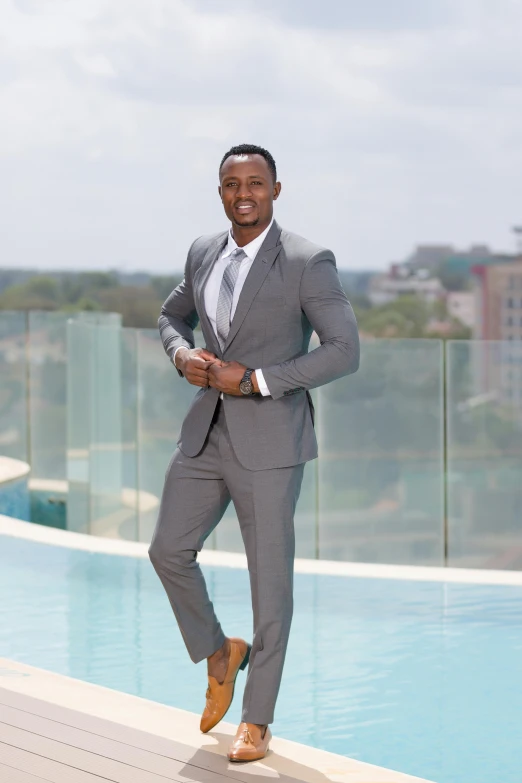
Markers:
220,695
250,743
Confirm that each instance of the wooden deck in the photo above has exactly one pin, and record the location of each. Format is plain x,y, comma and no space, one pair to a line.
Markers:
60,730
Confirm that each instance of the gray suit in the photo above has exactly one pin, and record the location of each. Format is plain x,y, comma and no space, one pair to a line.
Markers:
250,449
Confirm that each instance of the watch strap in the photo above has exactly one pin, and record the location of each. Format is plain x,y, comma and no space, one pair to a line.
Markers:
247,377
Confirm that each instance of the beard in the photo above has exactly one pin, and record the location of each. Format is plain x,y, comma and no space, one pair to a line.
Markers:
247,223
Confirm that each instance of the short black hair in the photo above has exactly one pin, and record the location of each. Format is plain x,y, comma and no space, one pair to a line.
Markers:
251,149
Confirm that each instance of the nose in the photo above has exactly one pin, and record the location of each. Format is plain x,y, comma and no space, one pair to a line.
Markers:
244,191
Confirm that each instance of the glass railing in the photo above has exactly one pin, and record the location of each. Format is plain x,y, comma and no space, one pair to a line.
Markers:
163,399
99,501
484,454
420,451
57,369
381,496
14,488
13,386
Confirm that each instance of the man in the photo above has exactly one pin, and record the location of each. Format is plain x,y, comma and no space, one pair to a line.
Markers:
259,292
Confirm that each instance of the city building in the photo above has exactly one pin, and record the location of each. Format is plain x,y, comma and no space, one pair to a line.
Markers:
447,261
498,318
429,256
498,301
461,305
399,281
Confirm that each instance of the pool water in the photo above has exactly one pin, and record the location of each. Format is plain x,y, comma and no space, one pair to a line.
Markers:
425,678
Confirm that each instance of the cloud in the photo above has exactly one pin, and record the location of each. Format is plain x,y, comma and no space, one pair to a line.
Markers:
391,123
347,15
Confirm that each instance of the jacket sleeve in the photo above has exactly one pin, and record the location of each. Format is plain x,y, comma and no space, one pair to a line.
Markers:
331,316
178,317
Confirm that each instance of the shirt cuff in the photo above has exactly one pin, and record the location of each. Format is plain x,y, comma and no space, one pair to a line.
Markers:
174,354
263,388
174,360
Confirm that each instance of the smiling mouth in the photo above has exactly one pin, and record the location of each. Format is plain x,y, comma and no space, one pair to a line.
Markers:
244,209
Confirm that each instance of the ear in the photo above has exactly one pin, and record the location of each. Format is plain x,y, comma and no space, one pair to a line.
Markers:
219,191
277,190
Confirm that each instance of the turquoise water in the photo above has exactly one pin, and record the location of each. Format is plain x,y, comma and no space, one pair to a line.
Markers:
425,678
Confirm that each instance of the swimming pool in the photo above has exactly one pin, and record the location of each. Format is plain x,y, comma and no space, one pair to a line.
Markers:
422,677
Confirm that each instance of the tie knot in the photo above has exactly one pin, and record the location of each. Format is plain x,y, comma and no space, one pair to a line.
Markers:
239,253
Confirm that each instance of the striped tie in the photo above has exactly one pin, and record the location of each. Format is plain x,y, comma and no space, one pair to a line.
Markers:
226,295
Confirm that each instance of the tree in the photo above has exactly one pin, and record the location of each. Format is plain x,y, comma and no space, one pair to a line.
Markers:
38,293
407,316
164,285
139,308
97,280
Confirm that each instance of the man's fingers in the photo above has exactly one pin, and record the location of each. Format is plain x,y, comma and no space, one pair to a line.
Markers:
203,369
207,355
199,361
197,373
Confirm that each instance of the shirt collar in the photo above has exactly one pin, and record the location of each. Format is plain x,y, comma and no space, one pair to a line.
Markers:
252,249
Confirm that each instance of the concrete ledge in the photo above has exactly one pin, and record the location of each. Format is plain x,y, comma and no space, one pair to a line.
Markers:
144,501
12,470
110,546
66,730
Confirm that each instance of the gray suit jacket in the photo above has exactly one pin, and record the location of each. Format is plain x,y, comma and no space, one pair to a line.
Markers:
291,290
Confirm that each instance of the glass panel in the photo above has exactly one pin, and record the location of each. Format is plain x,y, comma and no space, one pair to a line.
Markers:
484,454
13,389
97,318
129,526
80,352
227,535
98,359
107,512
164,399
381,457
48,417
48,382
306,523
14,476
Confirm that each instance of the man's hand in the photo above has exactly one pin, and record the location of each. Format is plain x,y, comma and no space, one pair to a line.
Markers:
226,377
194,364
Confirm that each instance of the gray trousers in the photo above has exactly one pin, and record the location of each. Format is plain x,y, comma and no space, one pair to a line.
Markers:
196,493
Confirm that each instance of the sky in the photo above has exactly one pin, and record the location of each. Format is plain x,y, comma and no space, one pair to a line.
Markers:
392,124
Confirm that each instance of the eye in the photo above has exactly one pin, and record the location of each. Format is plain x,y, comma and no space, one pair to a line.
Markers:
256,182
231,185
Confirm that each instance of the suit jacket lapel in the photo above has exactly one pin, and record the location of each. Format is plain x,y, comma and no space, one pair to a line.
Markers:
200,279
265,257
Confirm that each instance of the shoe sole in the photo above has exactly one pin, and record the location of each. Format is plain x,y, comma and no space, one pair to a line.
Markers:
247,761
242,667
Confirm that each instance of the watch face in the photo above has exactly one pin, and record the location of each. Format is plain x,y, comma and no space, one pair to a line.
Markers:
245,387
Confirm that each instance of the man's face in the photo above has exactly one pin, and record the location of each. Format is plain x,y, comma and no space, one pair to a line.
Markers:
247,190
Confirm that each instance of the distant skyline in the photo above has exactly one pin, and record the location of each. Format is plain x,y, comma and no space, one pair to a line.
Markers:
392,124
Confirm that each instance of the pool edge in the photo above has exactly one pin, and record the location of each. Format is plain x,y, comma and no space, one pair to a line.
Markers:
126,713
30,531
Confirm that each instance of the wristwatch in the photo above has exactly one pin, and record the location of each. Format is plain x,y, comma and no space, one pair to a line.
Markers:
246,386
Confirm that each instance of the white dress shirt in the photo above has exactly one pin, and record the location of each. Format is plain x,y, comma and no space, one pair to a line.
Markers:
213,286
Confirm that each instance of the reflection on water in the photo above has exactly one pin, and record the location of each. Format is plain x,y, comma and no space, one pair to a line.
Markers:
421,677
